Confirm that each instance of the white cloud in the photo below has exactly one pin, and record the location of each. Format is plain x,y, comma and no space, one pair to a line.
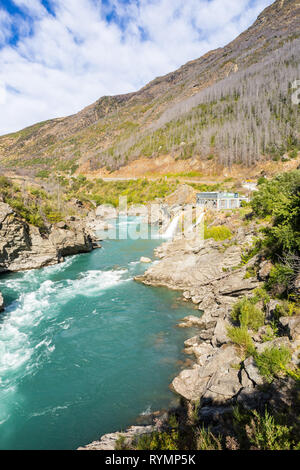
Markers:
64,62
5,27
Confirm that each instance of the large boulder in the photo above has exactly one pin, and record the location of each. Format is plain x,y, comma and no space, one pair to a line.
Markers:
282,341
271,309
252,371
21,245
215,379
146,260
236,285
220,332
264,270
292,326
71,241
189,383
191,321
203,352
224,386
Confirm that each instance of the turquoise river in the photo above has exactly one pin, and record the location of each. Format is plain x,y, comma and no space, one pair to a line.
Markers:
84,349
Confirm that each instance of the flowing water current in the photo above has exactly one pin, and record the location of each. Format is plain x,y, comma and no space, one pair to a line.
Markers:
84,349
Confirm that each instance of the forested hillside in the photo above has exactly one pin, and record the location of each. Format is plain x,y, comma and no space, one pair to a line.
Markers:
233,105
237,120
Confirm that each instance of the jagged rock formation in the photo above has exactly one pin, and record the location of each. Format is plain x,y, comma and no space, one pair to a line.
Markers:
182,261
209,277
22,246
108,441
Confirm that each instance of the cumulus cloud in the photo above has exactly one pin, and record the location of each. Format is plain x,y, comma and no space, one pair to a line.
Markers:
5,27
66,58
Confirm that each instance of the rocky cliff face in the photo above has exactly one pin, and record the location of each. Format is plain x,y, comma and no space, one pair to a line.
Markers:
22,246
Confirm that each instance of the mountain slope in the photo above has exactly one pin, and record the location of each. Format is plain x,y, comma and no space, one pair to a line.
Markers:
231,105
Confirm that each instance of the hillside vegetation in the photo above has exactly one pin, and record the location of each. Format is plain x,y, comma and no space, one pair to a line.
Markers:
233,105
52,200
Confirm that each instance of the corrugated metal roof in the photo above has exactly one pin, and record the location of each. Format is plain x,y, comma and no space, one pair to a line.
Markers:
217,195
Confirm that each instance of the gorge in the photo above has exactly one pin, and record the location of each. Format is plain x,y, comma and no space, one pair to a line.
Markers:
84,349
121,330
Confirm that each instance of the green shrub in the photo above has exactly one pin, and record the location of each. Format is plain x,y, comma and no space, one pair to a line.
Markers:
257,431
261,180
294,373
207,441
280,278
159,441
241,337
271,332
247,315
272,361
248,254
44,174
260,294
168,440
245,204
218,233
293,153
286,309
280,199
265,434
52,215
121,443
5,182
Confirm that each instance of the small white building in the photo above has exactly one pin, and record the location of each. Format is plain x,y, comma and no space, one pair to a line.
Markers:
219,200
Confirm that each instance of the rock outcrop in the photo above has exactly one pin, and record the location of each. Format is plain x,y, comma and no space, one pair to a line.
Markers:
211,275
292,326
145,260
191,265
23,247
215,380
109,441
1,303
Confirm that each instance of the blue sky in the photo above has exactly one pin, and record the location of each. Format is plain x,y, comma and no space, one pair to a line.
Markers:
57,56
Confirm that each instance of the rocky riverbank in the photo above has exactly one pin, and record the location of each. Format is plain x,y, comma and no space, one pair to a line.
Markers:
213,276
24,247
